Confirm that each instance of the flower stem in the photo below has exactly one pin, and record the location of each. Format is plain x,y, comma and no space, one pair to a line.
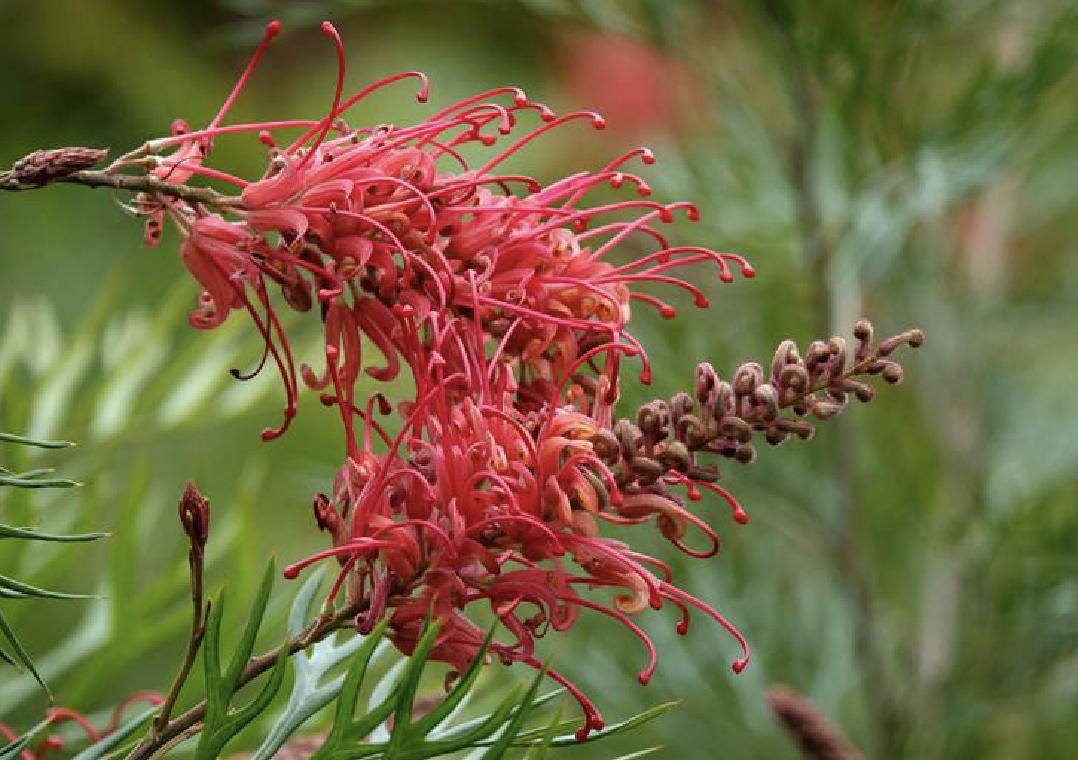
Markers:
198,630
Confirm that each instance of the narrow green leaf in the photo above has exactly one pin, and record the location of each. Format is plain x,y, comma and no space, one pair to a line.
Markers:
27,590
33,473
480,735
640,753
428,722
458,730
374,718
542,749
8,531
10,480
618,728
12,438
100,749
246,644
509,732
409,684
11,750
20,652
245,715
349,695
211,662
220,726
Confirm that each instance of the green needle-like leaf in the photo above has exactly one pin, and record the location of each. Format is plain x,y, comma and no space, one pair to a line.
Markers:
11,751
346,703
246,644
481,733
640,753
431,720
409,684
24,482
618,728
12,438
123,732
20,652
509,732
455,731
8,531
25,589
541,750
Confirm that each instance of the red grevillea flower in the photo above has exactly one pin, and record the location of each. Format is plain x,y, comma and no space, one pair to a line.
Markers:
504,301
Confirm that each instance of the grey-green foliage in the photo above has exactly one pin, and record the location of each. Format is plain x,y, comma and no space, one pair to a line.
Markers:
441,732
311,691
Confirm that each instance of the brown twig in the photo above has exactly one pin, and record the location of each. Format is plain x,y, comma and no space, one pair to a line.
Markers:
46,167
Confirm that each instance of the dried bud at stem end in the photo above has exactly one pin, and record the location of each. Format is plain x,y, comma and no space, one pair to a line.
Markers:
195,516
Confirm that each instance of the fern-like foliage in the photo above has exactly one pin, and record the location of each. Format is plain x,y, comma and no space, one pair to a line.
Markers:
221,723
390,725
391,722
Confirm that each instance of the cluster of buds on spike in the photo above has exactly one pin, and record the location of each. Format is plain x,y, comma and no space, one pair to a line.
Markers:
725,417
504,300
44,166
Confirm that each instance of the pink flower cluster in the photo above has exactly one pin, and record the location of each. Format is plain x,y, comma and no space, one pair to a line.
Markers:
502,300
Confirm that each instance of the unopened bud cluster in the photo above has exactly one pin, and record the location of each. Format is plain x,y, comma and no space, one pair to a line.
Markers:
727,417
44,166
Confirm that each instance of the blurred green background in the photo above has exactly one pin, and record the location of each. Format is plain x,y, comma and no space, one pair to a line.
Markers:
912,570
